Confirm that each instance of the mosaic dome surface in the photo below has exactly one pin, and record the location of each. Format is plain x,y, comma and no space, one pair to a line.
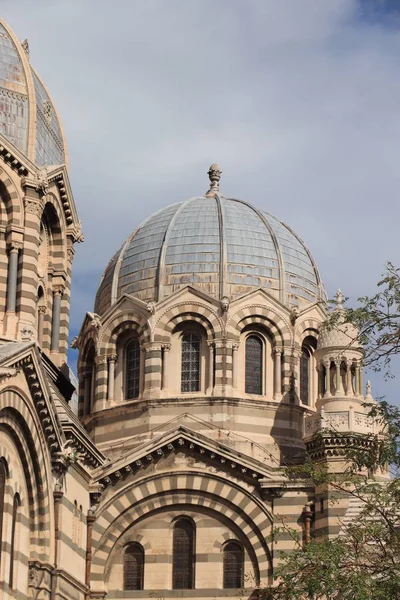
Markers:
28,117
222,246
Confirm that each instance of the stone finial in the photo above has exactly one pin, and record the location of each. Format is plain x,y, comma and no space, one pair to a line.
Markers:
214,173
368,390
25,46
339,299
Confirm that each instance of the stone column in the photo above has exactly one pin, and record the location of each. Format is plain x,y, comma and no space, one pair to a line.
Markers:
12,275
357,379
327,365
210,385
152,370
339,386
111,376
235,348
277,373
165,365
360,375
295,372
349,379
40,324
321,380
55,324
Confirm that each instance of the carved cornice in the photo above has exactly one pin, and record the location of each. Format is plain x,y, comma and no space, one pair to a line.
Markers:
327,446
38,397
89,455
10,159
215,455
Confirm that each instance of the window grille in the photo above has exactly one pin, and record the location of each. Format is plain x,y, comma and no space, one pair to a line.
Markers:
305,376
254,357
183,556
133,370
3,477
233,565
133,567
190,376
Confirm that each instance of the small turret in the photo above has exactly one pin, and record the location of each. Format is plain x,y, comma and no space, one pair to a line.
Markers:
341,405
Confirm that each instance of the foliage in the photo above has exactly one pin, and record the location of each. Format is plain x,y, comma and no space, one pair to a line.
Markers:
378,320
362,563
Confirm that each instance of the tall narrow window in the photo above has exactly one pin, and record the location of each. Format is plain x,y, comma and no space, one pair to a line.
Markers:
305,376
16,505
183,555
233,565
190,378
254,358
133,567
133,370
3,477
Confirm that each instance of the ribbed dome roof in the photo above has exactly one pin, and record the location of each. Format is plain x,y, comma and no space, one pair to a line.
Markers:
28,117
341,333
223,246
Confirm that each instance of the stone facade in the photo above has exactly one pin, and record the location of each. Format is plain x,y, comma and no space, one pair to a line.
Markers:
205,370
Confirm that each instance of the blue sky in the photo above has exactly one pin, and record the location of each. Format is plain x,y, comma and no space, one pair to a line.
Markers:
297,100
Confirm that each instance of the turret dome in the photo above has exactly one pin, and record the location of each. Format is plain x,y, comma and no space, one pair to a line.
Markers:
28,117
340,334
222,246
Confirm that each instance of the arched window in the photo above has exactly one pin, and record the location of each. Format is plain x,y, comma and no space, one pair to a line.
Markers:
233,565
41,309
132,388
16,505
190,375
3,477
305,375
133,567
183,555
254,366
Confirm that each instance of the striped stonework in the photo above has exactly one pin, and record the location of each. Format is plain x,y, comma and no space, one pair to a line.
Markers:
270,318
130,509
10,196
21,424
188,311
119,324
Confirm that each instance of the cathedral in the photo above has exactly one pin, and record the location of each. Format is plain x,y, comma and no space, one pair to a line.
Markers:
204,370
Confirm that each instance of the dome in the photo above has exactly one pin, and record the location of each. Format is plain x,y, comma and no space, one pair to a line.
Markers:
222,246
28,117
340,334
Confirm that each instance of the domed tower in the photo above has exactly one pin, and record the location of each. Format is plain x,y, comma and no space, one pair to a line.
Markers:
39,223
341,405
208,317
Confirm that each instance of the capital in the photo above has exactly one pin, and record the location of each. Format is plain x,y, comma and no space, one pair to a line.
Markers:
14,247
33,207
58,290
112,357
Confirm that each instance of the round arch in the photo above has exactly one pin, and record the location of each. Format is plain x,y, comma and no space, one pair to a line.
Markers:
273,321
247,517
118,325
12,200
21,424
187,311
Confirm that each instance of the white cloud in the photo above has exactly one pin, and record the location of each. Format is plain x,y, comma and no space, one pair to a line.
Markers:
298,101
